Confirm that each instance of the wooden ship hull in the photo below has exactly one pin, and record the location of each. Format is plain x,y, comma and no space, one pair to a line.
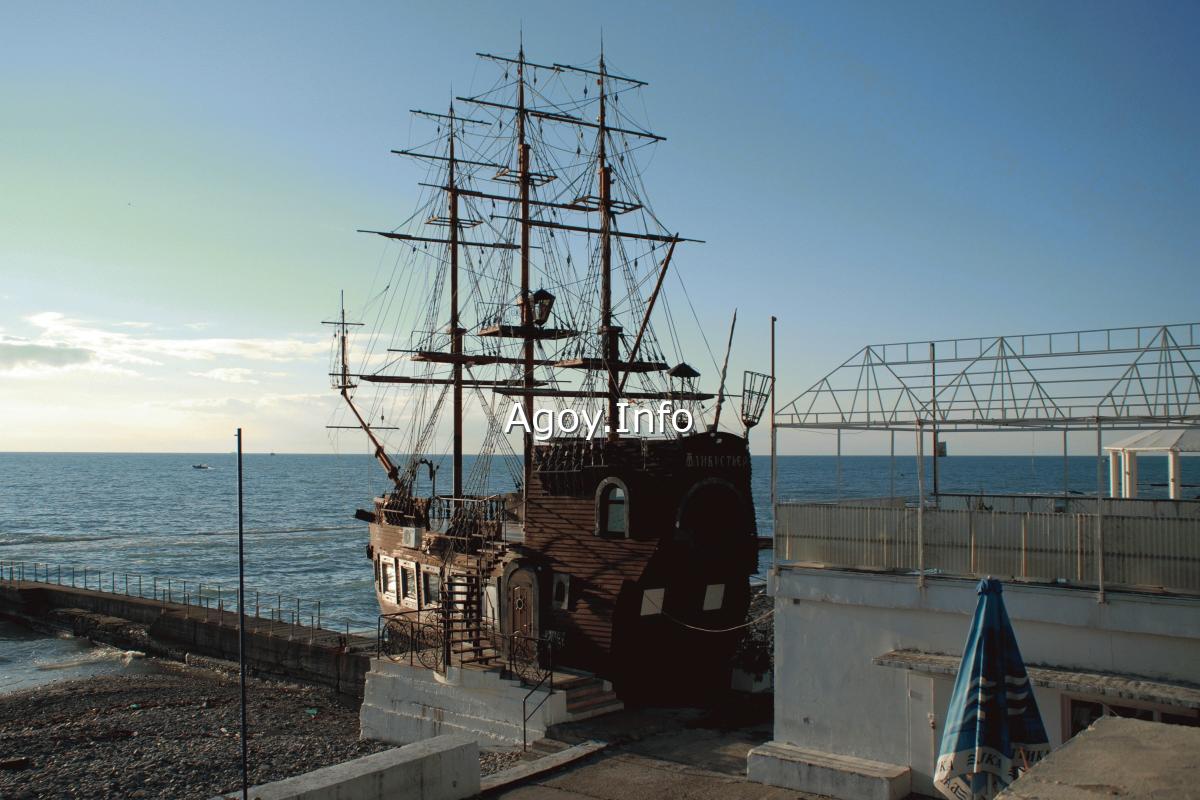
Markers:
659,592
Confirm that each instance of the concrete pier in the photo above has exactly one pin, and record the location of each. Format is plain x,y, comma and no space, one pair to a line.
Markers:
158,627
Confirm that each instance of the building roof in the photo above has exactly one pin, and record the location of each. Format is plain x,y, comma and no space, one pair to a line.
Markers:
1064,679
1181,440
1122,759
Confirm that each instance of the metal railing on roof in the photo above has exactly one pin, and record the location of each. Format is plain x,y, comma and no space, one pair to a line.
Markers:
1138,553
1133,377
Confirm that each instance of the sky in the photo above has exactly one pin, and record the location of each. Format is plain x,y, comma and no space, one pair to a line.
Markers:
180,185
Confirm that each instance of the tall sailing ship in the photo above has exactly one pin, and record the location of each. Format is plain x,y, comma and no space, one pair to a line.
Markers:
532,273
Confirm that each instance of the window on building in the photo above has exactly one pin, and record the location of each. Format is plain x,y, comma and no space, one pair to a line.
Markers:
432,588
387,579
612,511
408,582
1082,713
652,601
714,596
561,591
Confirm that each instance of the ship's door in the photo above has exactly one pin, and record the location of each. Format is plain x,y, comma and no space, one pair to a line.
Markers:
522,603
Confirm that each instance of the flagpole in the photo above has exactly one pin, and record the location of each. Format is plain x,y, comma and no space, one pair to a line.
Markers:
242,617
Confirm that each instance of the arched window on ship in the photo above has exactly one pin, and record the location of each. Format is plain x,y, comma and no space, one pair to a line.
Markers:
612,509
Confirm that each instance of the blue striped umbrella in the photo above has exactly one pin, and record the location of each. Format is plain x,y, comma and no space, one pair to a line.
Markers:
993,730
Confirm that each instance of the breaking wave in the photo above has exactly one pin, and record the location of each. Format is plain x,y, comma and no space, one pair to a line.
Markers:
16,539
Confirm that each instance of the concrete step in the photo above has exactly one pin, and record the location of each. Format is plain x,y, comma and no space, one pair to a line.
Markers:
599,703
414,723
828,774
547,746
542,748
573,681
528,770
479,659
586,691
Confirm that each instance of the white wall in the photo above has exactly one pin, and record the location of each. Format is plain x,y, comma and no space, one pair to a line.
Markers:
830,624
404,704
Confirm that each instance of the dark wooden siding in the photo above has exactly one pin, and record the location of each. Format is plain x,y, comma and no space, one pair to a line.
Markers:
607,575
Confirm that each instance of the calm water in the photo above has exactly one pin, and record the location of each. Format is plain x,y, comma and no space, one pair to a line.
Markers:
154,514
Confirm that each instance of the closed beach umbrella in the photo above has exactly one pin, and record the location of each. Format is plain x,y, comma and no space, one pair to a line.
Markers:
993,730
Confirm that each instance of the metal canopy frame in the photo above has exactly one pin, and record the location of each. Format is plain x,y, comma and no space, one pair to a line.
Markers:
1110,378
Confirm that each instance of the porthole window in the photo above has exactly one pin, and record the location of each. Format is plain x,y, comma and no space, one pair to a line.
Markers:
612,509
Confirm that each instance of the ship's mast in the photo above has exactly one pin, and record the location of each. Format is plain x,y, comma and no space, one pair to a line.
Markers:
345,385
533,317
608,332
456,331
526,298
609,357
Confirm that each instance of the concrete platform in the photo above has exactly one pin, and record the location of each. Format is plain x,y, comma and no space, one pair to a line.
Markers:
442,768
405,703
529,770
842,777
626,776
1126,759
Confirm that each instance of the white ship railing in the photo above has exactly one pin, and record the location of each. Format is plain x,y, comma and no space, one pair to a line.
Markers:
1137,552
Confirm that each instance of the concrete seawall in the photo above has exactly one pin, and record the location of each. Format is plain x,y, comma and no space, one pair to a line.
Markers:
174,630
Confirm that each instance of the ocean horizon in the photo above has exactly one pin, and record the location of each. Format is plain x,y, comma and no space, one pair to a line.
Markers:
154,515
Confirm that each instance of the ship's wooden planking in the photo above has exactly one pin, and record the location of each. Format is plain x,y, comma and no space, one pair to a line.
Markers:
636,605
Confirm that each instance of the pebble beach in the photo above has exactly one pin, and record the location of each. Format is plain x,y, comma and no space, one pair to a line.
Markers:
172,733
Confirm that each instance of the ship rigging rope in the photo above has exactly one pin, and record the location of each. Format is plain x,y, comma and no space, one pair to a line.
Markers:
566,154
747,624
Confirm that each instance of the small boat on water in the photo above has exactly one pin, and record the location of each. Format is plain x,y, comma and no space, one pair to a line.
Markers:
201,466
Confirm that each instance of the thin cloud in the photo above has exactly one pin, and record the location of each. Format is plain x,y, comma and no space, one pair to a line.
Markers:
275,402
122,347
23,354
229,375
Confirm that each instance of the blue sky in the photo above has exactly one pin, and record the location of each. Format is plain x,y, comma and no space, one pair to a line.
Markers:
181,183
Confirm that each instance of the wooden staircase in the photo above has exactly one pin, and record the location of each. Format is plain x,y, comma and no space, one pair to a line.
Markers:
469,644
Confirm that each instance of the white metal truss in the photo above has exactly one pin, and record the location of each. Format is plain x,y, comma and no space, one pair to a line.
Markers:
1136,377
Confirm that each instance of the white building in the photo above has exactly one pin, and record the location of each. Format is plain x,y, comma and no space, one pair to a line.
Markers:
874,598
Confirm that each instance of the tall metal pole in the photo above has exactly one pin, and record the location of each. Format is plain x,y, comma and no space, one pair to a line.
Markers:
920,504
1066,469
242,620
933,408
1099,513
892,468
774,454
838,462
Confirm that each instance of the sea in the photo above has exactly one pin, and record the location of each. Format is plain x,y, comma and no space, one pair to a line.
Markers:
141,519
